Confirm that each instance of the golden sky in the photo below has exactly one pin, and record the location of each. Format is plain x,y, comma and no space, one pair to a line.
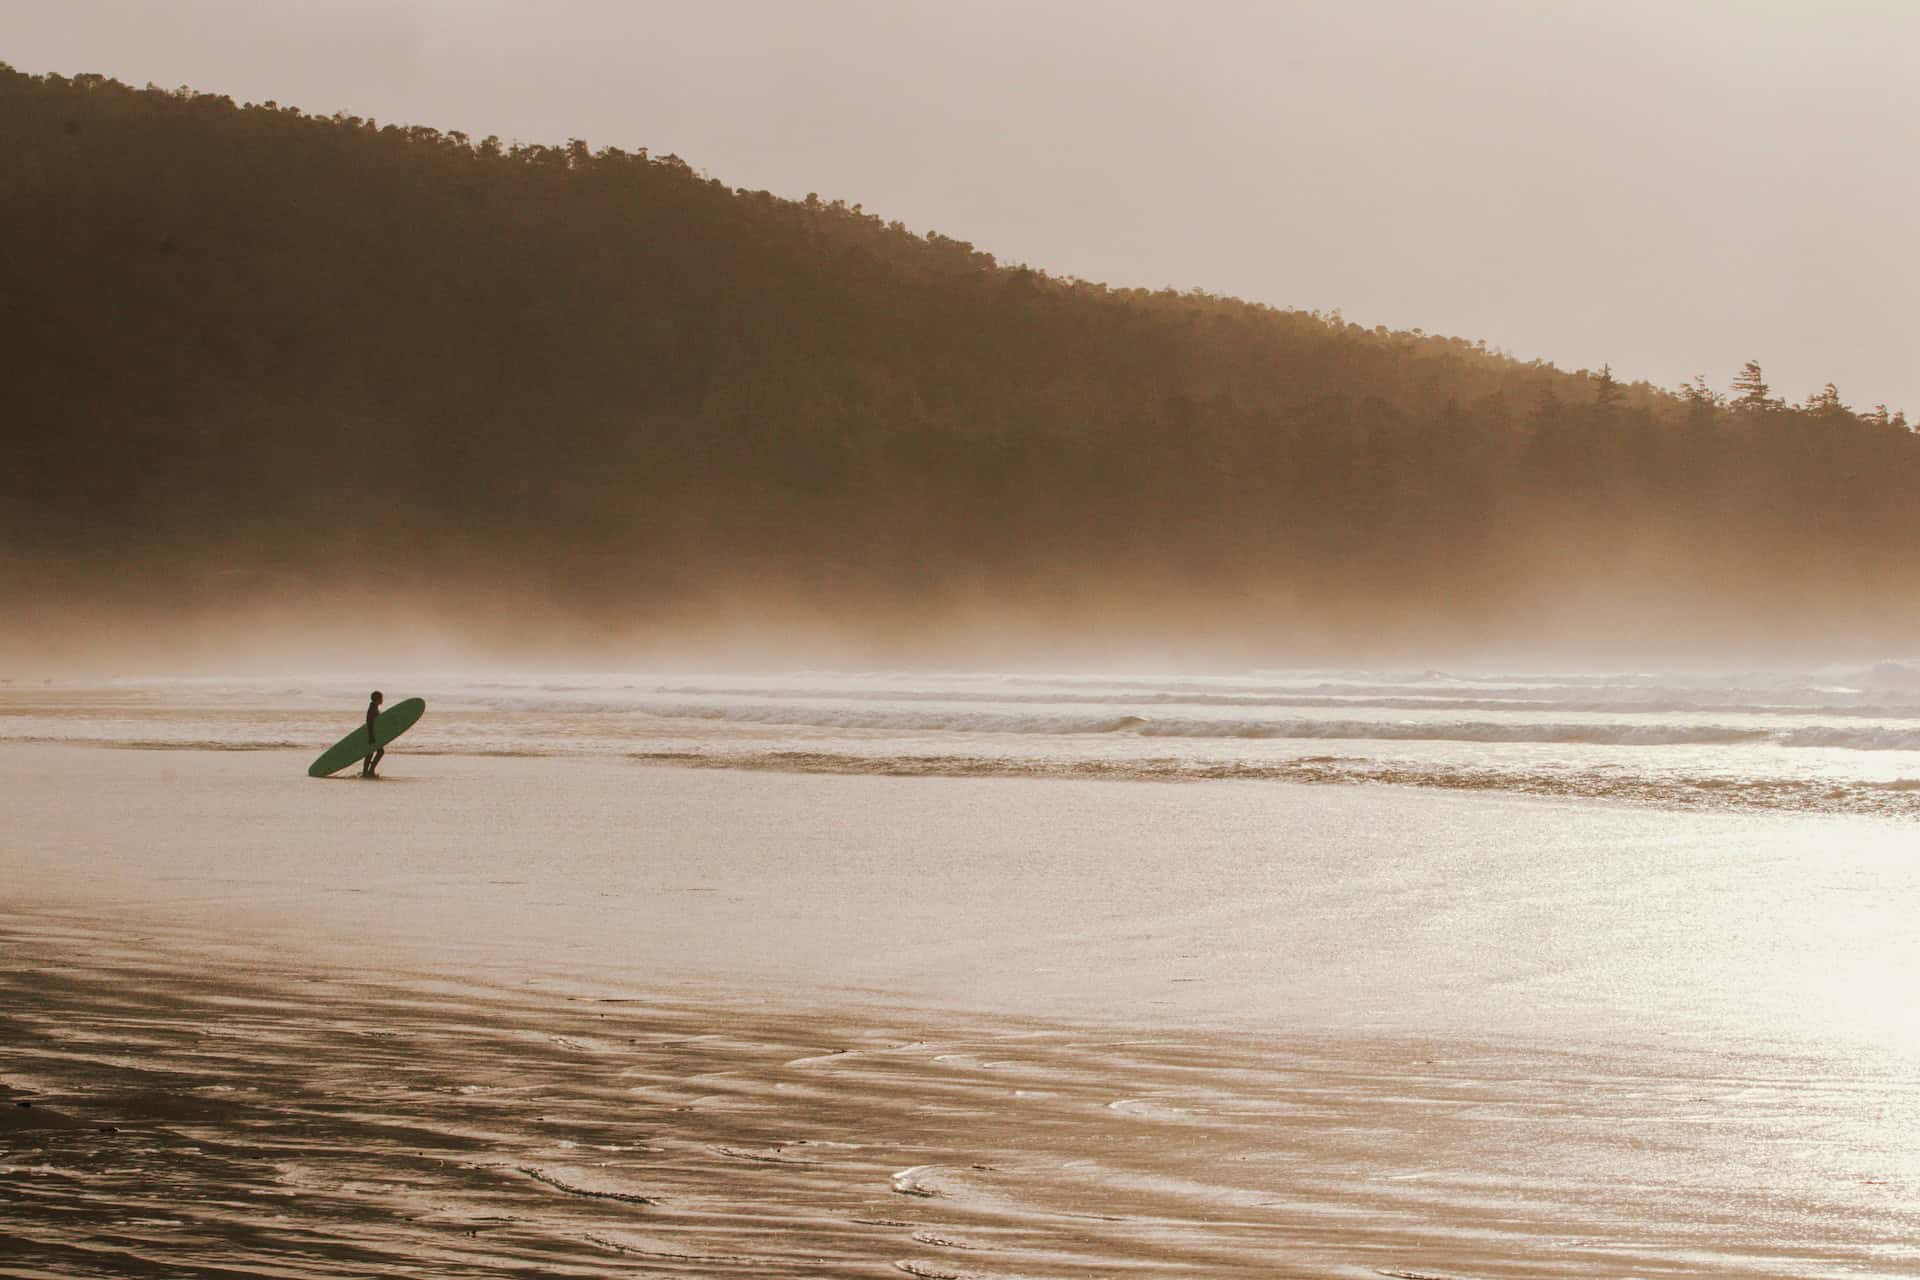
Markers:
1672,188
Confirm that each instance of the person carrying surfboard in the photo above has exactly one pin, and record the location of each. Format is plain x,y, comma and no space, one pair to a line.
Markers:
373,760
366,747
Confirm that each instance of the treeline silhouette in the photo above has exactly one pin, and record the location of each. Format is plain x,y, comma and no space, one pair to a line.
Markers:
258,355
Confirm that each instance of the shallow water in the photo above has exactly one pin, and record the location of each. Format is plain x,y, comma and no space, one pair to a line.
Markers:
1261,905
1835,740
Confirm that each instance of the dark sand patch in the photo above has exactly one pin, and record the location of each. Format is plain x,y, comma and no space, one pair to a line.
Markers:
23,1115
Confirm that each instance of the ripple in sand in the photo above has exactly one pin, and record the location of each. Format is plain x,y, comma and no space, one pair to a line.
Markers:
645,1247
765,1155
936,1271
561,1184
1338,1157
916,1182
948,1242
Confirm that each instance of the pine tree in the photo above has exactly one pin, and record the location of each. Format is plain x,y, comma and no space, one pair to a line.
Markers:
1606,389
1826,400
1751,394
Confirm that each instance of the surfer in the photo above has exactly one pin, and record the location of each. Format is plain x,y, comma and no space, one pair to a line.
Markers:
372,761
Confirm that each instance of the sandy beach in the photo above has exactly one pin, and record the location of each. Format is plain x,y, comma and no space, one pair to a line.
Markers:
494,1016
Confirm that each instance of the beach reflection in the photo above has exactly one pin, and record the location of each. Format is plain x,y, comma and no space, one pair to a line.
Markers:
201,1114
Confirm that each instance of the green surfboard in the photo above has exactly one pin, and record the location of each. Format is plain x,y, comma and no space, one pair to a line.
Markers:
354,748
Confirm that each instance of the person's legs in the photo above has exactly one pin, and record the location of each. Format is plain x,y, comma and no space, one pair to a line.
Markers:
373,761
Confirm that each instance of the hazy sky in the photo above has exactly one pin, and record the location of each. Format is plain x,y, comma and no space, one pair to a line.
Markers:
1667,185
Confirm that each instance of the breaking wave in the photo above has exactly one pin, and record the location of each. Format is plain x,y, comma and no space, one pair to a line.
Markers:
1625,701
1902,737
1702,792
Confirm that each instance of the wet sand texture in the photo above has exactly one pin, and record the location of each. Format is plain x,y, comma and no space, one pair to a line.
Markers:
291,1121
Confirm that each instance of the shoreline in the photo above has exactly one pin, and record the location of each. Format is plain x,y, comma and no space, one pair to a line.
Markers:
1897,800
1664,752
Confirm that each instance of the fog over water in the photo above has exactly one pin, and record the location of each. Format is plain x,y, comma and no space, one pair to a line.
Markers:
295,380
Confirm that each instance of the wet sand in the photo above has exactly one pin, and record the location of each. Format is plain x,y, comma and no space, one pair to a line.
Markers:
276,1120
255,1047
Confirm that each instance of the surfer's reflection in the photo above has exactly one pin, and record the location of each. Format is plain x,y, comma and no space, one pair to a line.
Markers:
372,762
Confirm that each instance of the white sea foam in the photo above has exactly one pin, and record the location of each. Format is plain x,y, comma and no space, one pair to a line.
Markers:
1905,737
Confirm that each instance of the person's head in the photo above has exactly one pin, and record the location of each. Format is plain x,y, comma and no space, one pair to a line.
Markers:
376,695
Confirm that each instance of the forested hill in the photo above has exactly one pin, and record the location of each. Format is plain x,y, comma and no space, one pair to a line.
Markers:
259,357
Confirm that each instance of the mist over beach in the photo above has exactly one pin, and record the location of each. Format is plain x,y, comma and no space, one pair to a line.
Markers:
863,640
283,370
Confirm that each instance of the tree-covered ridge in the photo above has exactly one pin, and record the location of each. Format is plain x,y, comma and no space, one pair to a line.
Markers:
256,351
